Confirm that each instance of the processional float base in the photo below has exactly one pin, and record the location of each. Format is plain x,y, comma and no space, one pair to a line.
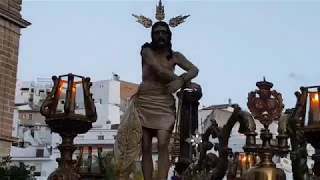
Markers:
265,173
64,174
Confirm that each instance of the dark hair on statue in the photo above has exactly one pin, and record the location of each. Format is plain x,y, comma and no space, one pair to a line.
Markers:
152,45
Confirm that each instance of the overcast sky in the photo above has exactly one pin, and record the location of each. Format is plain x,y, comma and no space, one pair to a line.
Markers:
234,43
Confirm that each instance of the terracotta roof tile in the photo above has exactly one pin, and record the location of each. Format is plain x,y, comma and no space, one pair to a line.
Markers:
127,89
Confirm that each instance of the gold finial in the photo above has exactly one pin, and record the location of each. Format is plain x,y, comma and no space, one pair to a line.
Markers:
160,11
160,15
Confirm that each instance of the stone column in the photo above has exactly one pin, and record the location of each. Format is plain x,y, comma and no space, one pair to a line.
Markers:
189,121
10,24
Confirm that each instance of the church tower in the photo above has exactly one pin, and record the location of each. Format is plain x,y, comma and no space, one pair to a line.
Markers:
11,24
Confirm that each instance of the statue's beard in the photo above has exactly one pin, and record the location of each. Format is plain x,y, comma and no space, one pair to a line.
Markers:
161,40
161,43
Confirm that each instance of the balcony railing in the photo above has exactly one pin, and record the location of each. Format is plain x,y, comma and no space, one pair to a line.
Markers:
94,141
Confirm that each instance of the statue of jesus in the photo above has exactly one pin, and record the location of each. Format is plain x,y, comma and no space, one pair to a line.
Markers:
151,112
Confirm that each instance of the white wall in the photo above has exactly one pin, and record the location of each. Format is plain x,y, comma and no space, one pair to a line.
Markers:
105,112
22,96
56,140
42,135
91,137
202,115
102,112
28,152
106,94
15,123
100,91
114,102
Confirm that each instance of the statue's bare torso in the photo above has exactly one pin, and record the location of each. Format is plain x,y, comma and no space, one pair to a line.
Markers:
151,76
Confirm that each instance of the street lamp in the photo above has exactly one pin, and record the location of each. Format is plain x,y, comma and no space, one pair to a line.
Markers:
67,123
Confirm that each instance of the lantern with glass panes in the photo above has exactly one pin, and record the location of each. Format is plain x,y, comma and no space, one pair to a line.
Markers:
305,128
66,120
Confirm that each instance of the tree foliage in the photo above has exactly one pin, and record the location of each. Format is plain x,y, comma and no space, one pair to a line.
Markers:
10,171
111,172
109,165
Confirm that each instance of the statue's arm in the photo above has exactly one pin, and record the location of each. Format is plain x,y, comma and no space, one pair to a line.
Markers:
149,58
185,64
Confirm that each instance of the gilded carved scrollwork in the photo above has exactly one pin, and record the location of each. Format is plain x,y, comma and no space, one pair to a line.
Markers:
201,169
299,152
47,107
88,100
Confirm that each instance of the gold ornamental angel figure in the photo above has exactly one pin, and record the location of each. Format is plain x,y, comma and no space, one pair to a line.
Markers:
151,111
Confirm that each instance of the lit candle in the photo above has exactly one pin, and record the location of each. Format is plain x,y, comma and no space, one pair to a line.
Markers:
314,108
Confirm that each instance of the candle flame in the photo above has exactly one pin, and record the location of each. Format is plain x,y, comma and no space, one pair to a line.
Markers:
73,89
315,97
244,158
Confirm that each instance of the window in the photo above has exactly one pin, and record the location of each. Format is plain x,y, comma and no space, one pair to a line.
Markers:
40,92
32,133
114,126
32,90
114,136
40,153
38,168
100,137
30,117
36,173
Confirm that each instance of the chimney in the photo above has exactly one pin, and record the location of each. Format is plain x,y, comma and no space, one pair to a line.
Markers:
229,101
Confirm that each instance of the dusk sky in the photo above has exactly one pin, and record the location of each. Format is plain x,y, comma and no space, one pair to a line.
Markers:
234,43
